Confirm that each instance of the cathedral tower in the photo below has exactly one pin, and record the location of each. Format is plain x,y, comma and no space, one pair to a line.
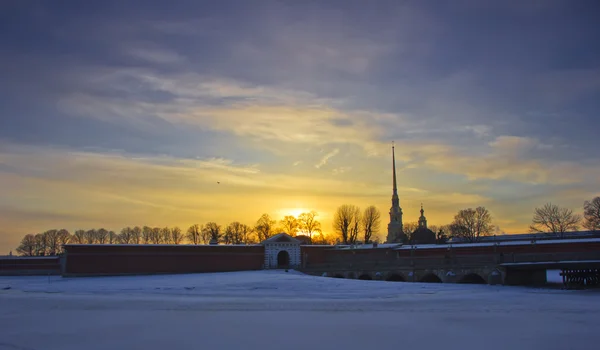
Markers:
395,232
422,219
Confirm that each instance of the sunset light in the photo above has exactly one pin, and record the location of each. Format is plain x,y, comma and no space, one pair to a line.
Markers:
118,119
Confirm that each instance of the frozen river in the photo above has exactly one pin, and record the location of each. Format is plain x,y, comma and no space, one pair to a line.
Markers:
279,310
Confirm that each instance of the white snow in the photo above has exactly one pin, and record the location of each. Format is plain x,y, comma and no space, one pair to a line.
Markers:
279,310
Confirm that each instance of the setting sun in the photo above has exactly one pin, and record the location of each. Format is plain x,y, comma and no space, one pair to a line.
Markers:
295,212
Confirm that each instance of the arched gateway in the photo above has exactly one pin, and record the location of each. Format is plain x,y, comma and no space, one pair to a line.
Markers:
282,251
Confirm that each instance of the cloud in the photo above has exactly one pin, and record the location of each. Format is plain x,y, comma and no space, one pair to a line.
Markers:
341,170
505,158
326,158
154,54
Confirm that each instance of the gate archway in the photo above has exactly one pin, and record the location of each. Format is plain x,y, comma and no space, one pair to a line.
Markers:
283,259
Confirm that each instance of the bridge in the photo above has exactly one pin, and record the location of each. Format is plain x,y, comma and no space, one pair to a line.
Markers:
509,263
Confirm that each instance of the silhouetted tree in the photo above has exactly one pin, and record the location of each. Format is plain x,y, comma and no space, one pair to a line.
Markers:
176,235
591,213
156,235
28,246
552,219
64,237
41,245
113,238
136,235
101,236
346,223
126,235
165,236
472,224
264,227
290,225
147,233
52,242
371,220
441,237
90,236
309,224
193,234
235,233
214,230
408,228
79,237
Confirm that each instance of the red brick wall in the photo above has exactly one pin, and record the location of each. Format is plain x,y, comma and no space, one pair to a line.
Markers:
149,259
29,265
314,254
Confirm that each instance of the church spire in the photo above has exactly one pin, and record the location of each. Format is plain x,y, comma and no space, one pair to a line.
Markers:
395,231
394,169
422,219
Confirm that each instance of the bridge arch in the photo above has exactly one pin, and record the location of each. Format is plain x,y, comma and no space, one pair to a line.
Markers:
395,277
472,278
430,278
365,277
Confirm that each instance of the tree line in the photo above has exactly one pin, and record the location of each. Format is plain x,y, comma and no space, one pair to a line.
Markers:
472,224
305,227
351,226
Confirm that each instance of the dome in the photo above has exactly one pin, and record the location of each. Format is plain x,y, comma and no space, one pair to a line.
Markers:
423,235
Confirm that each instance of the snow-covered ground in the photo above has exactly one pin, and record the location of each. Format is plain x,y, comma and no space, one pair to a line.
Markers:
279,310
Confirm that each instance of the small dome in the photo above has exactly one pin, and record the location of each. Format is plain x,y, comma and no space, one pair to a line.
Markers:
423,235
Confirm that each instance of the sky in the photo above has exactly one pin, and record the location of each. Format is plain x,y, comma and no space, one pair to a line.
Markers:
161,113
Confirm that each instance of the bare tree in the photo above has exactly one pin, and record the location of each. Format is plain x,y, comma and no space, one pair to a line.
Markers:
309,224
101,236
409,227
147,233
472,224
204,235
371,220
237,233
136,235
193,234
591,213
79,237
113,238
52,244
553,219
126,235
165,236
290,225
214,230
156,236
64,237
28,246
264,227
176,235
232,233
346,223
247,234
41,244
90,236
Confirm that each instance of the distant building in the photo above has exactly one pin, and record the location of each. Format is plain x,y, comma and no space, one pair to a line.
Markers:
395,230
422,234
